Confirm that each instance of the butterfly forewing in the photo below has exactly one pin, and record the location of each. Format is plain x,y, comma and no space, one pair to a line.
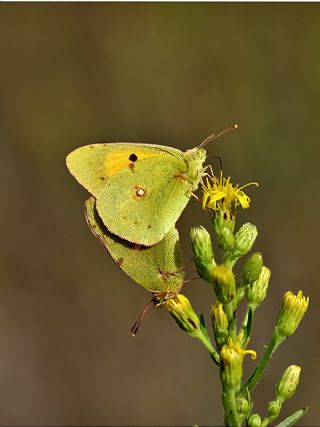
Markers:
93,165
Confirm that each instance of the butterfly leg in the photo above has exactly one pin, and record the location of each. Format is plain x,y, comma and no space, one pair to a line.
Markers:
195,196
206,173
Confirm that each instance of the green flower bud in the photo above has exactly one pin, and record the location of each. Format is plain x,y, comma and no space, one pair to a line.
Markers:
288,382
220,324
254,420
252,268
274,408
257,291
291,313
202,250
243,406
223,220
226,239
244,239
224,283
180,309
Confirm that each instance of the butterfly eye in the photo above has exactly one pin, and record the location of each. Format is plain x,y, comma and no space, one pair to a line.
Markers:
133,157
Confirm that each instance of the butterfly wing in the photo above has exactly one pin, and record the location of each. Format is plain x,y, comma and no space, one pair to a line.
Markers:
93,165
154,267
141,205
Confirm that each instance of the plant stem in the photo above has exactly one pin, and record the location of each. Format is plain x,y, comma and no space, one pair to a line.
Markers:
229,309
207,344
274,343
230,407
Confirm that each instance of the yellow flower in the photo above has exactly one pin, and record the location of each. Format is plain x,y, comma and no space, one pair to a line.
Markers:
221,194
292,311
232,356
181,310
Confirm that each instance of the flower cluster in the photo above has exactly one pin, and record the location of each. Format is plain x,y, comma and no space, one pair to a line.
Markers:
220,199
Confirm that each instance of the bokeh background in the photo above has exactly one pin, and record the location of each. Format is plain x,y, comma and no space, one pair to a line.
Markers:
170,74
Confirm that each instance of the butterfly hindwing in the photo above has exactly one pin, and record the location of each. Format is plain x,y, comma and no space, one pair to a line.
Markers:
154,268
141,206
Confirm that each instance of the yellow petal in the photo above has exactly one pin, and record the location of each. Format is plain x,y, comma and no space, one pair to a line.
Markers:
244,200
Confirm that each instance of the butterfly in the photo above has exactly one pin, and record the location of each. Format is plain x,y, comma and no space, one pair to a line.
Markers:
140,189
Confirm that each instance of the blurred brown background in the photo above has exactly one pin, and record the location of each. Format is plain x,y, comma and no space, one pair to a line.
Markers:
170,74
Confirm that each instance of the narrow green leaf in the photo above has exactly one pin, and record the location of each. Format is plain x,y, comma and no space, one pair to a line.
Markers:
203,326
292,419
247,327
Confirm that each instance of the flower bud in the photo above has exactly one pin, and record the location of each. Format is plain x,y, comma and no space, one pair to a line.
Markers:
224,283
226,239
243,406
257,291
223,220
252,268
231,357
244,239
220,324
274,408
254,420
291,313
288,382
202,250
180,309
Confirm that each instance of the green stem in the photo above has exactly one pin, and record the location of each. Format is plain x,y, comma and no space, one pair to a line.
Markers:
275,341
229,309
230,407
266,422
207,344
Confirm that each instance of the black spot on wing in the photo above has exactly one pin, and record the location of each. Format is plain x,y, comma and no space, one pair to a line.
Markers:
133,157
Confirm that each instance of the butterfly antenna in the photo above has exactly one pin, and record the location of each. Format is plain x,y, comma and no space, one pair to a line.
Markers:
214,136
190,280
137,323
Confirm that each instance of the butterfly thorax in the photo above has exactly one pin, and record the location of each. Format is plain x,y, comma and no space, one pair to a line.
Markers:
195,158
